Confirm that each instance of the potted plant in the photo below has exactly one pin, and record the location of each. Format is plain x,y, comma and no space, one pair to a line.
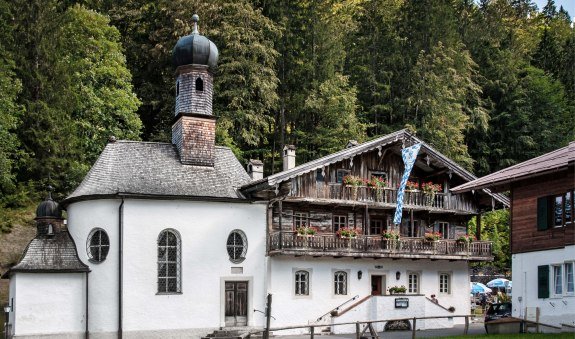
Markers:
390,235
306,231
432,236
353,182
377,184
429,189
397,289
348,232
466,239
411,185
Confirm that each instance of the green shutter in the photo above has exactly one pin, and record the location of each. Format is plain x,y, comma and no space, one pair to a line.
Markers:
542,213
543,281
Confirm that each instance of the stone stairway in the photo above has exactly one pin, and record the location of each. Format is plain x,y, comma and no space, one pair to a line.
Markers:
224,334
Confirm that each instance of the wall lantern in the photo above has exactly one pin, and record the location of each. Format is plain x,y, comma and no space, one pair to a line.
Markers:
397,275
359,274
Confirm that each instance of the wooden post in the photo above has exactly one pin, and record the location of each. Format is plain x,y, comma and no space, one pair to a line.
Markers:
478,227
357,333
311,331
413,329
466,328
280,222
268,316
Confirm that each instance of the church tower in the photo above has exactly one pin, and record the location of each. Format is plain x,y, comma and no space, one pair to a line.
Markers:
194,129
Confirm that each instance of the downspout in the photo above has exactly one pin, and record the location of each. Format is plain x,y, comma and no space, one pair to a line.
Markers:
120,261
87,334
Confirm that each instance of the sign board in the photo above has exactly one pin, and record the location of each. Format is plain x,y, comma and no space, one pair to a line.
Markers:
401,302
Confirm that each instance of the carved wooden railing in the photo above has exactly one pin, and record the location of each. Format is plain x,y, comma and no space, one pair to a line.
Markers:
331,244
388,195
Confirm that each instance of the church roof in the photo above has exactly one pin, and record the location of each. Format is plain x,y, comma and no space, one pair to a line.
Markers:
55,253
154,169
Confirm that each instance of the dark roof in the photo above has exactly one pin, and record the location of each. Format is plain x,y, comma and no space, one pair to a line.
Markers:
55,254
348,153
154,169
545,164
195,49
48,209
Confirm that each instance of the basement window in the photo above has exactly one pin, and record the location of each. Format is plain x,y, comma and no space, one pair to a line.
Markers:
98,245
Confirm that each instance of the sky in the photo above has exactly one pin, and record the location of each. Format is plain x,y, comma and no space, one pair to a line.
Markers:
568,5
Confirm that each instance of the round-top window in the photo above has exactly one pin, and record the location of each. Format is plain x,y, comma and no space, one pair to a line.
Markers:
237,246
98,245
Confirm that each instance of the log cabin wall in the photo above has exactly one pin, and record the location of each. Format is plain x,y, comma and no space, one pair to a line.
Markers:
525,236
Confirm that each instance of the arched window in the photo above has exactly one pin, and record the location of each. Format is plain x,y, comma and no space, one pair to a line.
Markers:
169,262
237,246
98,245
199,84
302,283
340,283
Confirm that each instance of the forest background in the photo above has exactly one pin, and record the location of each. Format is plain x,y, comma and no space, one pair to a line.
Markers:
488,83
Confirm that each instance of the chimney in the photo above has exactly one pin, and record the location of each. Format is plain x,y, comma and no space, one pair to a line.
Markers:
289,157
256,169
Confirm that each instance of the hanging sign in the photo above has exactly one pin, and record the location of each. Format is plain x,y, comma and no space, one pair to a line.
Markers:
408,154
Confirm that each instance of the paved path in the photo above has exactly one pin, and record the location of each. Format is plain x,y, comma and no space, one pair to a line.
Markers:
474,328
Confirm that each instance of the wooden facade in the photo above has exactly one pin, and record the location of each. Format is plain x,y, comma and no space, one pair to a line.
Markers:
535,223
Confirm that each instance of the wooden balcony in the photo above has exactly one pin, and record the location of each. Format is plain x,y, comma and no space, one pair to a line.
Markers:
385,197
329,245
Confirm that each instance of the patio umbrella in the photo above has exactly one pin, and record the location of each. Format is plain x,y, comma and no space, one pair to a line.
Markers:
477,287
498,283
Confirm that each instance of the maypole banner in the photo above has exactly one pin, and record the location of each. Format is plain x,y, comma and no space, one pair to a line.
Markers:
408,155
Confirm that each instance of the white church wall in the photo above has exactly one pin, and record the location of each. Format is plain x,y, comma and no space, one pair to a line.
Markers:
103,279
289,309
204,228
556,309
49,304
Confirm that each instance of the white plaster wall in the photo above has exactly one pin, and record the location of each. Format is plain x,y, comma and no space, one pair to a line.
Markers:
12,300
49,304
553,310
204,228
103,280
289,309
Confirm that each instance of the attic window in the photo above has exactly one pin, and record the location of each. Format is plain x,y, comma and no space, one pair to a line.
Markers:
98,245
199,84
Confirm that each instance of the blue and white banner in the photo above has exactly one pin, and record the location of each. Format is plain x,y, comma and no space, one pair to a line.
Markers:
408,154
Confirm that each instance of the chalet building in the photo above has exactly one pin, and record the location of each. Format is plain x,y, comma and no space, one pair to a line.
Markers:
542,234
177,239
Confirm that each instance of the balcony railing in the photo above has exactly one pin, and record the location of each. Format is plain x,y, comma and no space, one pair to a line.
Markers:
377,247
388,196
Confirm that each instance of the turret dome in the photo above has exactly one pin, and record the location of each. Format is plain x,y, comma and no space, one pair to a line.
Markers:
195,49
49,208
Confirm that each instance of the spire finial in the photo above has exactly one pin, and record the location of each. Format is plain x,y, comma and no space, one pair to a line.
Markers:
50,189
195,19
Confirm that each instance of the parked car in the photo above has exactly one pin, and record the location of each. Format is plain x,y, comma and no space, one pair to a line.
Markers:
497,311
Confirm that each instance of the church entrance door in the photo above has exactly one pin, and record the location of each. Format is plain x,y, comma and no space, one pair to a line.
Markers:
236,303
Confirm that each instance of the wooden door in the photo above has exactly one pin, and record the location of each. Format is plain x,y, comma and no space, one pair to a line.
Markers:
377,284
236,303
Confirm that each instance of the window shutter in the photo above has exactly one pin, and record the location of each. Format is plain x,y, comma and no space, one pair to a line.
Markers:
542,213
543,281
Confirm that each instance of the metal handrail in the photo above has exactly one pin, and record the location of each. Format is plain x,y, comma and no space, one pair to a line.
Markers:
337,307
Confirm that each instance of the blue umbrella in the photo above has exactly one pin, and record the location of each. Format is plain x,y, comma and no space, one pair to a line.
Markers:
498,283
477,287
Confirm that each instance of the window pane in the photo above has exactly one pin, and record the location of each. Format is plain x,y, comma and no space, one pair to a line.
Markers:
568,207
558,280
236,246
168,262
172,254
558,211
569,278
162,285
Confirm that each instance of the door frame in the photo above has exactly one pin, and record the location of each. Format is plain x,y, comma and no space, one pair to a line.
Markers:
250,297
383,276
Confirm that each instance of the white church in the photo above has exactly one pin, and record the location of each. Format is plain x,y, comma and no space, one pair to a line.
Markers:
177,239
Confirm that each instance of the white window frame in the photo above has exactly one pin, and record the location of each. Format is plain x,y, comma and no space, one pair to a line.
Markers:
339,216
444,283
307,273
566,276
102,248
413,286
232,246
440,224
557,280
340,277
300,219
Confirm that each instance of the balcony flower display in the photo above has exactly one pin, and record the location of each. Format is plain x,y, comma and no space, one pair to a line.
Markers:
432,236
429,189
411,185
397,289
377,184
302,230
390,235
348,232
354,182
466,239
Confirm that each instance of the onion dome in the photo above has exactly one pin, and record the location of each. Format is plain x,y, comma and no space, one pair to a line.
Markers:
195,49
49,208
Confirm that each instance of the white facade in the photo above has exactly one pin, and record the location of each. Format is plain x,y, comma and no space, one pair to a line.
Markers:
48,304
204,228
559,308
